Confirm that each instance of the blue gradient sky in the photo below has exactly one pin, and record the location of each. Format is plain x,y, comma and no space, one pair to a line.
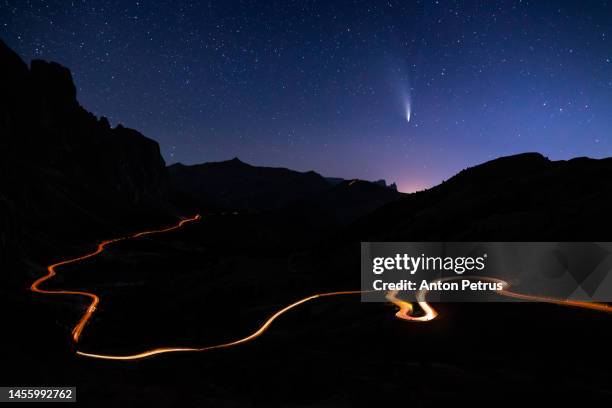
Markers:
323,85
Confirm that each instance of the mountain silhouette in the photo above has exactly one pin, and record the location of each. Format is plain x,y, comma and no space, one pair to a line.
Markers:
382,182
346,201
65,174
239,186
524,197
68,177
236,185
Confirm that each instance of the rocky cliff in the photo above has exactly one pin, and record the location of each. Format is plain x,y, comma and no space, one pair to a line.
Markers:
66,175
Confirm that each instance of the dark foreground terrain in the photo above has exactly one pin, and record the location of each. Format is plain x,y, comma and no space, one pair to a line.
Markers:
269,237
194,288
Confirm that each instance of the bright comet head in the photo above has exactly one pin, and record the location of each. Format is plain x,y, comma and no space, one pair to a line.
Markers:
408,111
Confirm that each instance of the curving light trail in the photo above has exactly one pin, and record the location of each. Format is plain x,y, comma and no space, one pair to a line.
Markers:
242,340
95,300
405,312
406,309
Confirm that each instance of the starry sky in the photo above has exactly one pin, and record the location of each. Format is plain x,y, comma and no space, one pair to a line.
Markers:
327,85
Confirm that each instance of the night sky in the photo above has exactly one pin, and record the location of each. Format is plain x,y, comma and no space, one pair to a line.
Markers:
325,85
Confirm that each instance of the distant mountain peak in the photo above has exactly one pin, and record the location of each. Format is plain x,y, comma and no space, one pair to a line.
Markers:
233,163
334,181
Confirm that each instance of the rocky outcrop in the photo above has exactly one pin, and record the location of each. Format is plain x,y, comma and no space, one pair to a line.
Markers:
64,172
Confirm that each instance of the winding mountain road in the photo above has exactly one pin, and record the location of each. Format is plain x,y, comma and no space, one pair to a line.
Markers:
405,312
94,299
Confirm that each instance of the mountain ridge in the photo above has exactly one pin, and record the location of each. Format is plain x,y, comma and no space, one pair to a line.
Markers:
523,197
236,185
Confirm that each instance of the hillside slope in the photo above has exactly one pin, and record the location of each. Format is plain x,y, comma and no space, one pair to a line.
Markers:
522,197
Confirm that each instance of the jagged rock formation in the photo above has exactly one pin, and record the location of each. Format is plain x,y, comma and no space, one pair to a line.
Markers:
65,172
240,186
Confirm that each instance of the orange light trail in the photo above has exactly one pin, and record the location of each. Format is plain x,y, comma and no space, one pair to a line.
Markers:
405,312
406,309
95,300
242,340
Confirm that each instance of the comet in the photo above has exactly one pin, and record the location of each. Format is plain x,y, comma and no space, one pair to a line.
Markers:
408,109
406,98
